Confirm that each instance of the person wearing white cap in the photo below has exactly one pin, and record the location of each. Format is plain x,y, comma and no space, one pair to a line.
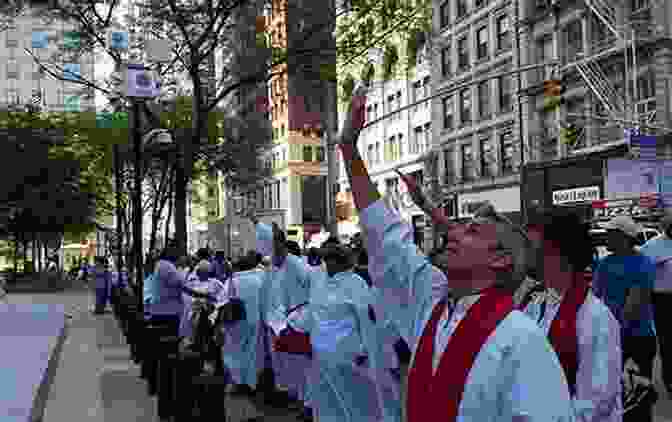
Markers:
624,281
660,250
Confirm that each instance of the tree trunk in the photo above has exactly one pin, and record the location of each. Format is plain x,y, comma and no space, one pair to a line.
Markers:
17,244
159,204
171,204
180,201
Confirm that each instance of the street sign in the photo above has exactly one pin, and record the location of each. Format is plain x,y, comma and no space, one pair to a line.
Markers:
158,50
142,83
629,207
648,200
586,194
119,40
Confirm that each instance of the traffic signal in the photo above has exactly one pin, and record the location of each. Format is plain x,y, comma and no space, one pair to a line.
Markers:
569,135
552,93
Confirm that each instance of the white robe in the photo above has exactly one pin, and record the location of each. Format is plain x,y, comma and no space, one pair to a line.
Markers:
598,379
515,377
338,322
242,351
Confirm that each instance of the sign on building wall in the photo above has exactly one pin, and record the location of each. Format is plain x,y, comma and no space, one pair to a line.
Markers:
630,178
567,196
504,200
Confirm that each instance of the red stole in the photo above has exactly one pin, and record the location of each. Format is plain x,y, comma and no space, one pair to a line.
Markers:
437,396
562,334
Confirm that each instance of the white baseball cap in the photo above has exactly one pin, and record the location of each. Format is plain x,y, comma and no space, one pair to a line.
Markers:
625,224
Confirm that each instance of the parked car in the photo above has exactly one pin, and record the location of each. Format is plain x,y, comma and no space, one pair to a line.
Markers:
599,236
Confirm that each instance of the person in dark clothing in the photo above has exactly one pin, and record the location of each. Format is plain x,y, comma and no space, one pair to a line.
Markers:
314,259
293,248
362,265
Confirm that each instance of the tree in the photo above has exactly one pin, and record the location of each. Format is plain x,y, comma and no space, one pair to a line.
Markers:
198,29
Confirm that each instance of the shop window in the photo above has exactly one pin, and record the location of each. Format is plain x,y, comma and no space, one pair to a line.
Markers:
449,166
484,100
487,157
465,106
462,54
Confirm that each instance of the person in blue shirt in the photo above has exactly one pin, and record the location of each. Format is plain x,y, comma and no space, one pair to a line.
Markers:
624,281
103,279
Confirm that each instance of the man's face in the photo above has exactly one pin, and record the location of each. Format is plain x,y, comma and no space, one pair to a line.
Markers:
472,255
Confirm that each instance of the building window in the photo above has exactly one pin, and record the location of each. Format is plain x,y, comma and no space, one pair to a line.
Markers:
445,61
416,141
505,94
503,33
377,153
12,70
448,112
574,40
12,37
480,3
444,10
461,8
320,154
484,100
462,54
486,157
449,166
465,106
482,36
369,155
638,5
427,136
426,86
307,153
400,145
467,162
417,91
390,103
507,151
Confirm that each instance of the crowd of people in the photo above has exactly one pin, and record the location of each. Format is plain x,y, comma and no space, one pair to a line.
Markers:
499,323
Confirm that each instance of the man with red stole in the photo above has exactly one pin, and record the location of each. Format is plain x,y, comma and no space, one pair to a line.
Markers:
475,357
581,328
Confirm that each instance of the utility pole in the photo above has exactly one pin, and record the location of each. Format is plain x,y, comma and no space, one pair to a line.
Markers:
137,200
330,132
332,165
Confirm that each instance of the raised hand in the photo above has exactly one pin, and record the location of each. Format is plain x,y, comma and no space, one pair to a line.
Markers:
414,190
356,117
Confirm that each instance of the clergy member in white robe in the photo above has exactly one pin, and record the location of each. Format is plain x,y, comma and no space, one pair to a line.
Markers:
579,325
475,358
242,346
344,341
285,287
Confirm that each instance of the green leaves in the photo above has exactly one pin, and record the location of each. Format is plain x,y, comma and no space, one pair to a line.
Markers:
390,59
348,86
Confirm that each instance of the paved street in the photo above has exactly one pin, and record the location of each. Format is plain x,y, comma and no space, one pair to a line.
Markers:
96,381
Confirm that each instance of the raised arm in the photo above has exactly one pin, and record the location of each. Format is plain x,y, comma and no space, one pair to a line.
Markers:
425,204
395,265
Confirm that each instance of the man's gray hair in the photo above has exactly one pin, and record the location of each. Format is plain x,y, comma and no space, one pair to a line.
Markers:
513,239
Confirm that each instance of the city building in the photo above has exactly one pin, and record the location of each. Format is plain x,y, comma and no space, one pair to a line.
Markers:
577,153
475,112
21,79
294,196
397,135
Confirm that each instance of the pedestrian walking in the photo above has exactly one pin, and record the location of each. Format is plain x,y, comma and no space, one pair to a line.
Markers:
103,283
659,249
624,280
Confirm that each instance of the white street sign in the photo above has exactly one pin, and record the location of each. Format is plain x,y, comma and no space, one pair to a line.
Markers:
587,194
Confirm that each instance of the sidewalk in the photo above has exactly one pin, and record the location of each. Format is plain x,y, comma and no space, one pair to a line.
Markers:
97,382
